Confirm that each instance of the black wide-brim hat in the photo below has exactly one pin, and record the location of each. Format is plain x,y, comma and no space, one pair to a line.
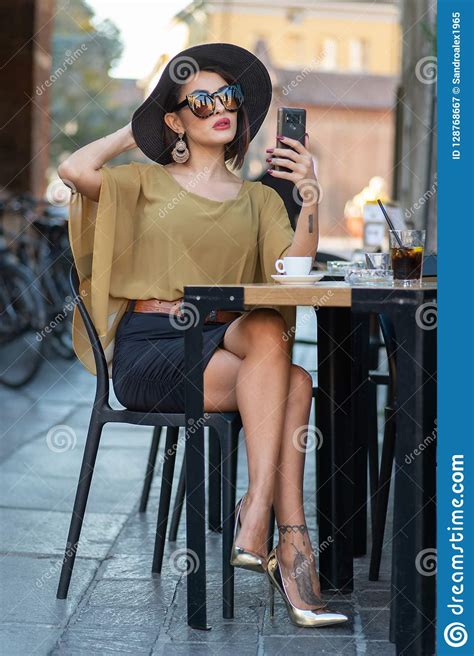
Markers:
147,120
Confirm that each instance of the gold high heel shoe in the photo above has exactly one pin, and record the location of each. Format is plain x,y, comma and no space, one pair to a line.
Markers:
306,618
241,557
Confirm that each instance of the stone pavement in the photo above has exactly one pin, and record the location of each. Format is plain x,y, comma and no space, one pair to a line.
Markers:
115,605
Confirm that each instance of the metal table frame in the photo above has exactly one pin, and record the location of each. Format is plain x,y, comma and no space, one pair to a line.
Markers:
413,593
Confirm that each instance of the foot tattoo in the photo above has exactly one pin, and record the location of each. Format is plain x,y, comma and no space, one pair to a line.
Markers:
300,571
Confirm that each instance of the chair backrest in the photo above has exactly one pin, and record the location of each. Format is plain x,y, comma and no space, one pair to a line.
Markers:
285,189
97,350
391,347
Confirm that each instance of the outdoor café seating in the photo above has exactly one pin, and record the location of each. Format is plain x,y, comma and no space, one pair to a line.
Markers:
225,426
223,434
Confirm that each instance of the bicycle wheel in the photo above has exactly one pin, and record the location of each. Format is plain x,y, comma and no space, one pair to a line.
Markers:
23,319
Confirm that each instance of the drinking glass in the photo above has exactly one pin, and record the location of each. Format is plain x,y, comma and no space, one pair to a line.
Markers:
378,260
406,251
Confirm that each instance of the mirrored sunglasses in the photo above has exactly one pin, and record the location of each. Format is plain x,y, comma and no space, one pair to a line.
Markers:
203,104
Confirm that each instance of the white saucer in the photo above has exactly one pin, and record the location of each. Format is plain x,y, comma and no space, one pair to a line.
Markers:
309,279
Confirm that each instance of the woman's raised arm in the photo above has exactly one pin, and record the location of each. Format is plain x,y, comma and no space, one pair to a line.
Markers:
82,167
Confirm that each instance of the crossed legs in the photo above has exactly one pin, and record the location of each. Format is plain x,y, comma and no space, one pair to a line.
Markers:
254,374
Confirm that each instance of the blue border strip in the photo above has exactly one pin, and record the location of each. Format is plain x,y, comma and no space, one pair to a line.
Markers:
455,477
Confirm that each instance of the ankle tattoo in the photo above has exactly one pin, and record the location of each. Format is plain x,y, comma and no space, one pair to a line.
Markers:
292,529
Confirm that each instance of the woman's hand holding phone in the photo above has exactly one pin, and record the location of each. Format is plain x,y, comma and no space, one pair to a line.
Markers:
299,161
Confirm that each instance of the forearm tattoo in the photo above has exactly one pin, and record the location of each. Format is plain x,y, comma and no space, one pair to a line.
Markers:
310,223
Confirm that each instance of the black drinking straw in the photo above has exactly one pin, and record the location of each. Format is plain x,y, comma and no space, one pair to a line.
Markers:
389,221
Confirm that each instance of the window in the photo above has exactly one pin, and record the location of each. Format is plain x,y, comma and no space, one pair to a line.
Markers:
328,59
357,55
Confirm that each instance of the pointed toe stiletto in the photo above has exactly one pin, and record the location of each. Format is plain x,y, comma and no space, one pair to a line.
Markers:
305,618
241,557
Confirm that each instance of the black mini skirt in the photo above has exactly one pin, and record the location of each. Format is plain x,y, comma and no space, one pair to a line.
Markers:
148,360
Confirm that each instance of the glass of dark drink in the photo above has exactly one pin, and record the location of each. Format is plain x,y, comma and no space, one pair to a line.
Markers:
406,252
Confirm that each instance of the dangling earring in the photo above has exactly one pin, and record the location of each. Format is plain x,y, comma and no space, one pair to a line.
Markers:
180,152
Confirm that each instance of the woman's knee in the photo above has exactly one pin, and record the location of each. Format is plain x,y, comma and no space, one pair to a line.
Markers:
266,324
220,377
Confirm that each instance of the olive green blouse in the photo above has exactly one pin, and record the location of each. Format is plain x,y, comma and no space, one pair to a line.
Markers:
148,237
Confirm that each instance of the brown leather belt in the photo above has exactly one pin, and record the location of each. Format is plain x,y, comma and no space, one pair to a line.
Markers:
174,307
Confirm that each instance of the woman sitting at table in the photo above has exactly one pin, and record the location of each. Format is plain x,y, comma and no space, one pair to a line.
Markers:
141,231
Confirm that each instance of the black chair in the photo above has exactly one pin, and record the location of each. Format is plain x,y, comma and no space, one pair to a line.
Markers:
382,489
381,493
214,497
225,428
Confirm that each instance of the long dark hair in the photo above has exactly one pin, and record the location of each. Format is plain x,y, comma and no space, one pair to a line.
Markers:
235,150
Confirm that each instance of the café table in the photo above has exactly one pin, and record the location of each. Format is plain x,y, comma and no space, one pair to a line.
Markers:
342,311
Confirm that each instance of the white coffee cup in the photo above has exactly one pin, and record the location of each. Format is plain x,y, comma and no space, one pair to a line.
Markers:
294,266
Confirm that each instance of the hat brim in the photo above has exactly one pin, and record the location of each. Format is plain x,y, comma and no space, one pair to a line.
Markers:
239,62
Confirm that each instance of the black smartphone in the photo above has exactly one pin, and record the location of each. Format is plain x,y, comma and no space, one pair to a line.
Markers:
291,122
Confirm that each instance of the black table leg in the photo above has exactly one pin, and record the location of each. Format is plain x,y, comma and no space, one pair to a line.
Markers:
195,472
198,302
414,524
335,457
362,415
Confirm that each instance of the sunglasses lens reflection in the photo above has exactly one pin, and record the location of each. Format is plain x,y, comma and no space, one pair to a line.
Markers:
229,99
202,104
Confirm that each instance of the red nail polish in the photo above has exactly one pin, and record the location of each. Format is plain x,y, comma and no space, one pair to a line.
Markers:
269,150
280,136
268,159
270,171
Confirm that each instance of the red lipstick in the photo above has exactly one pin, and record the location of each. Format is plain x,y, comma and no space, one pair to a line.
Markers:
221,124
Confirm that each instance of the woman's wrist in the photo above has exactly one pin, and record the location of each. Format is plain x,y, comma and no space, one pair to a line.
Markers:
113,144
118,142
